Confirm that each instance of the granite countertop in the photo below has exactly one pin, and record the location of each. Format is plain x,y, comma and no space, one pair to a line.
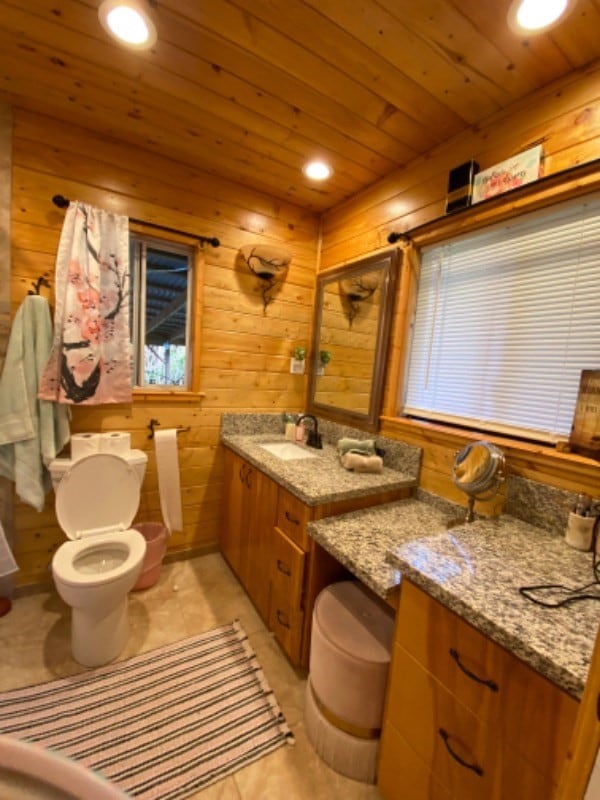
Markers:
317,480
476,570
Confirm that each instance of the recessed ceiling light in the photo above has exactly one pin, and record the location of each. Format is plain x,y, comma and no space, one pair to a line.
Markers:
129,22
537,16
317,170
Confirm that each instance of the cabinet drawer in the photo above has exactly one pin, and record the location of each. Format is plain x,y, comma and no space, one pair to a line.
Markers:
468,663
533,714
292,516
402,775
444,733
286,571
286,620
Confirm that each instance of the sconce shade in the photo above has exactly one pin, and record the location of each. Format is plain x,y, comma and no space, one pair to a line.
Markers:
269,264
265,261
355,290
359,287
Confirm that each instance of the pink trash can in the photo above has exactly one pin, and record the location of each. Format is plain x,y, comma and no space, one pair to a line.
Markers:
155,535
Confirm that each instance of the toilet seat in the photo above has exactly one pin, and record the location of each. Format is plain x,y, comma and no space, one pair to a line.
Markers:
65,559
98,522
82,511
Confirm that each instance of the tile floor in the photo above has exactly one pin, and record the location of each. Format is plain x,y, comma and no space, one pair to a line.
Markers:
191,596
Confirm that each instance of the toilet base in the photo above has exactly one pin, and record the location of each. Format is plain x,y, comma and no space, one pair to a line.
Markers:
97,638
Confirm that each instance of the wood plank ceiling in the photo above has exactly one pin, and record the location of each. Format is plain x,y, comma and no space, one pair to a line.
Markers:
251,89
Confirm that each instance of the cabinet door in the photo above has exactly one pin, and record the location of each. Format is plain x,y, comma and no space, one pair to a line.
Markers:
287,579
261,518
234,528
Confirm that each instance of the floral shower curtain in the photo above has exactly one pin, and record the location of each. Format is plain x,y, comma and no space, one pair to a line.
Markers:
90,360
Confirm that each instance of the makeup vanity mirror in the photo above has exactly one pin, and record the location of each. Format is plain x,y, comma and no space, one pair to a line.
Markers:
478,470
353,315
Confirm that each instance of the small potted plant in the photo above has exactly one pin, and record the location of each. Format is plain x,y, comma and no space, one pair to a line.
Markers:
298,362
324,359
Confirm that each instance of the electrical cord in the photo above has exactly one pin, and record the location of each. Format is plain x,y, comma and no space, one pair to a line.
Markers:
569,595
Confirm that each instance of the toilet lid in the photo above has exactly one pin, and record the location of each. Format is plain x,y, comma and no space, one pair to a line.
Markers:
100,491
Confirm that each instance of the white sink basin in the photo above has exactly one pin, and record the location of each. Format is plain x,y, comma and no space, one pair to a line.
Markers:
287,451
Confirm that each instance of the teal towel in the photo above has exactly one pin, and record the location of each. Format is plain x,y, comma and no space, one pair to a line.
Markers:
32,431
366,447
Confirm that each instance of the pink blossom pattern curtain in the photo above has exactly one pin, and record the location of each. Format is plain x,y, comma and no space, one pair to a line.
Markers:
90,360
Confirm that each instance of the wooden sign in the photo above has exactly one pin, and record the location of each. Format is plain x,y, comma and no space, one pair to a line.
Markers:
516,171
585,431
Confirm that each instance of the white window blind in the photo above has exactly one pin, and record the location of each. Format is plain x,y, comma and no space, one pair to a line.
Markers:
506,319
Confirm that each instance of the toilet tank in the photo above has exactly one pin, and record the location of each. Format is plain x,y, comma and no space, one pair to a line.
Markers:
137,458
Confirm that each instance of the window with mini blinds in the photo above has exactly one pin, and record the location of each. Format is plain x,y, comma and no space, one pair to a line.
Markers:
160,299
506,318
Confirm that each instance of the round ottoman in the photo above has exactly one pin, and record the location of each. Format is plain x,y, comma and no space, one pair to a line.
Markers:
349,660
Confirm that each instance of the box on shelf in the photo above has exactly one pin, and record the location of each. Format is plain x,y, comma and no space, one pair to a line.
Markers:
460,185
516,171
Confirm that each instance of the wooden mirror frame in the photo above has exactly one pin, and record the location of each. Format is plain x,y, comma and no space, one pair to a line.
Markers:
389,262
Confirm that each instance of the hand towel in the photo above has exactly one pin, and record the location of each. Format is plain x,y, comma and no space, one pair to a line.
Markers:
364,446
361,463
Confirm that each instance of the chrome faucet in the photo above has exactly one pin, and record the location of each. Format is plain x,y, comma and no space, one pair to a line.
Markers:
313,437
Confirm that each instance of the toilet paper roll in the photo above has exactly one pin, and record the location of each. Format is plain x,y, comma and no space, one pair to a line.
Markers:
116,442
167,465
84,444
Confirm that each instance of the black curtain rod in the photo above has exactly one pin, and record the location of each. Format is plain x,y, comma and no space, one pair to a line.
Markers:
63,202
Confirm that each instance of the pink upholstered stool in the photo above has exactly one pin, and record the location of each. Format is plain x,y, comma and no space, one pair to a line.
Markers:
349,660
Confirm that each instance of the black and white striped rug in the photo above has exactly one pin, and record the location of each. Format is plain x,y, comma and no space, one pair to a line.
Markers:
160,725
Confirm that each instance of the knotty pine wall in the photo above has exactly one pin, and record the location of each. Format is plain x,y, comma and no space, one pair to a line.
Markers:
565,117
244,355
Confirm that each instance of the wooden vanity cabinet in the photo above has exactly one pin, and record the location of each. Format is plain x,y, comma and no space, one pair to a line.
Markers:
465,719
265,541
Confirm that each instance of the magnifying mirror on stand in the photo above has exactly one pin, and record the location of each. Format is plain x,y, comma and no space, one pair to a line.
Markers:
478,470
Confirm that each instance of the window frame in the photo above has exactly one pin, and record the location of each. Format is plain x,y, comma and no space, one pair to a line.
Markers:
166,393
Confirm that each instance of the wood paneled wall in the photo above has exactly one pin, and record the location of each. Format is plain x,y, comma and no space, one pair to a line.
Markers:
244,354
565,117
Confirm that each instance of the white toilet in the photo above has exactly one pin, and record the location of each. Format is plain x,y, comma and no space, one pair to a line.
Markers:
97,498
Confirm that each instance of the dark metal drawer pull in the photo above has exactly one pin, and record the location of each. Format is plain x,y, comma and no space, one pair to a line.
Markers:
289,518
446,739
281,619
492,685
283,567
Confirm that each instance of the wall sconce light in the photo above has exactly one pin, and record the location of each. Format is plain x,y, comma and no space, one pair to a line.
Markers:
356,290
269,264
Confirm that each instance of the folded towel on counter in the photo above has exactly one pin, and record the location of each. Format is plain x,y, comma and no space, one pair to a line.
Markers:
364,446
362,463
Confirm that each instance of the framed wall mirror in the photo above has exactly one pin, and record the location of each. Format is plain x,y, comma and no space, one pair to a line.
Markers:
352,319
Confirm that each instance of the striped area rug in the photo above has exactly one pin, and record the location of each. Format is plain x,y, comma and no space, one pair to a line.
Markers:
163,724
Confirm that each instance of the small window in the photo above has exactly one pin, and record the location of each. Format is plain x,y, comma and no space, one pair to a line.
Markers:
506,320
162,281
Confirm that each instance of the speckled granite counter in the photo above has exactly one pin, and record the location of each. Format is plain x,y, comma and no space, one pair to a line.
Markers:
321,479
476,570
